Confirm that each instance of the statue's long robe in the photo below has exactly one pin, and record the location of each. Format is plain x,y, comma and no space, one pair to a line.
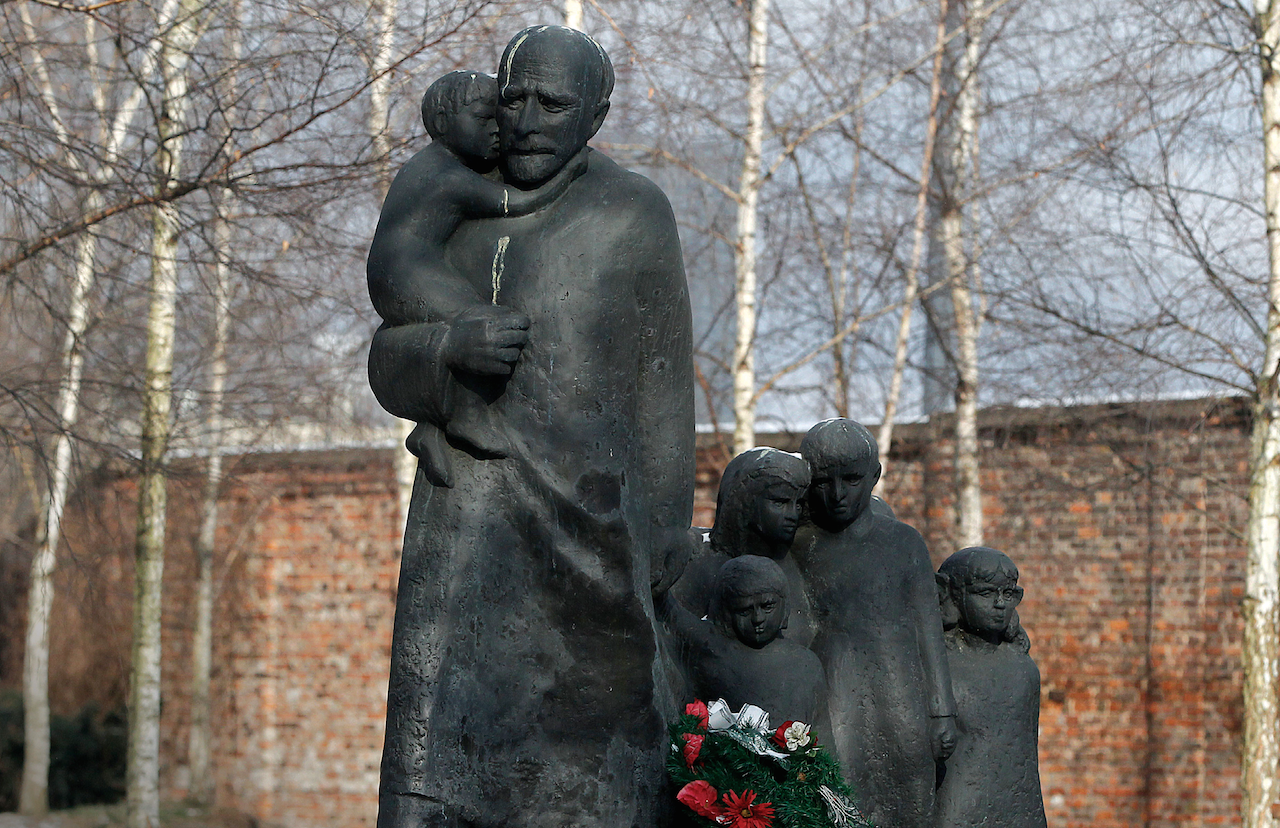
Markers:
527,684
993,778
879,637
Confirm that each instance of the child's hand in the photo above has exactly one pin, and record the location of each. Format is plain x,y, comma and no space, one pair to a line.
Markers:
942,736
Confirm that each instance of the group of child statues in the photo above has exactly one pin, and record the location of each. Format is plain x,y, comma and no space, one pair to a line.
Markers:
809,599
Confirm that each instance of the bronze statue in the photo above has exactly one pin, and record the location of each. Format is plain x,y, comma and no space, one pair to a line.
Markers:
739,653
758,509
527,684
879,633
993,777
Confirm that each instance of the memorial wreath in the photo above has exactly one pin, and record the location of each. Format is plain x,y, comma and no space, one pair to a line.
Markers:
732,770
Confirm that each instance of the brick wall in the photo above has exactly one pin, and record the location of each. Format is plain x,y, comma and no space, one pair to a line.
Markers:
1126,522
306,569
1127,525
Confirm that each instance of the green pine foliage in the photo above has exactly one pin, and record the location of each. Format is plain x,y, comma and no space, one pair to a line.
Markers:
791,787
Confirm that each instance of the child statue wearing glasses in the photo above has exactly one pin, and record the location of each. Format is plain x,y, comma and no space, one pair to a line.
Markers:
993,776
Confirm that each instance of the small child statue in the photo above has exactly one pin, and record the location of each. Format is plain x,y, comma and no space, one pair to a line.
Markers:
739,653
993,777
453,180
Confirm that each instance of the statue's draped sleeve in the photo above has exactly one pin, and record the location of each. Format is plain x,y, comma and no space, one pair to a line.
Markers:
665,382
408,371
933,649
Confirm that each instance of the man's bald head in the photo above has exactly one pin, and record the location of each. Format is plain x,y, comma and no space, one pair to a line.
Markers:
553,85
572,47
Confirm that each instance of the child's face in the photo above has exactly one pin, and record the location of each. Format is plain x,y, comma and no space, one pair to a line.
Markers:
987,604
756,618
473,131
777,513
842,491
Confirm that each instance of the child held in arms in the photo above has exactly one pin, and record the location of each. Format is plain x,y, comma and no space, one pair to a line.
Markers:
740,654
993,776
453,180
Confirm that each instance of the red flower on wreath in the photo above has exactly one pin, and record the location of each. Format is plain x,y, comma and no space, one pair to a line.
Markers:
743,811
701,798
700,710
692,747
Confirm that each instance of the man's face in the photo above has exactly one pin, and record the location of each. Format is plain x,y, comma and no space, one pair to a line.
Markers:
473,131
757,618
777,513
841,492
987,604
546,110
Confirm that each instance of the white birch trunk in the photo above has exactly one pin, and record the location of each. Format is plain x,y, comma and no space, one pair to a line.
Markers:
200,740
744,374
380,91
200,736
967,466
960,266
911,286
573,14
840,291
406,465
33,792
1261,749
143,759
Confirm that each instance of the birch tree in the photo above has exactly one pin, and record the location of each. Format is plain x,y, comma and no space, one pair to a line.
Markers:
573,14
1171,278
911,281
952,344
406,464
178,36
200,737
1261,753
33,797
744,258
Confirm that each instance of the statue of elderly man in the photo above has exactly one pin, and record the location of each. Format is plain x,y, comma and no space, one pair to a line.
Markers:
527,683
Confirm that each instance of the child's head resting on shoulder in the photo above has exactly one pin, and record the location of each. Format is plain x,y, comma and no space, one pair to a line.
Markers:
460,111
749,600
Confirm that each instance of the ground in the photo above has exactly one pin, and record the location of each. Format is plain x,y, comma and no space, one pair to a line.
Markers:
172,815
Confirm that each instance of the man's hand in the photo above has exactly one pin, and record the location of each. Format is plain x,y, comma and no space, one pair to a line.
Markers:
942,736
486,339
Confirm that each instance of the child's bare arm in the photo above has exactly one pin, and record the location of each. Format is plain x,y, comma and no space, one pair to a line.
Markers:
474,197
693,632
523,202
